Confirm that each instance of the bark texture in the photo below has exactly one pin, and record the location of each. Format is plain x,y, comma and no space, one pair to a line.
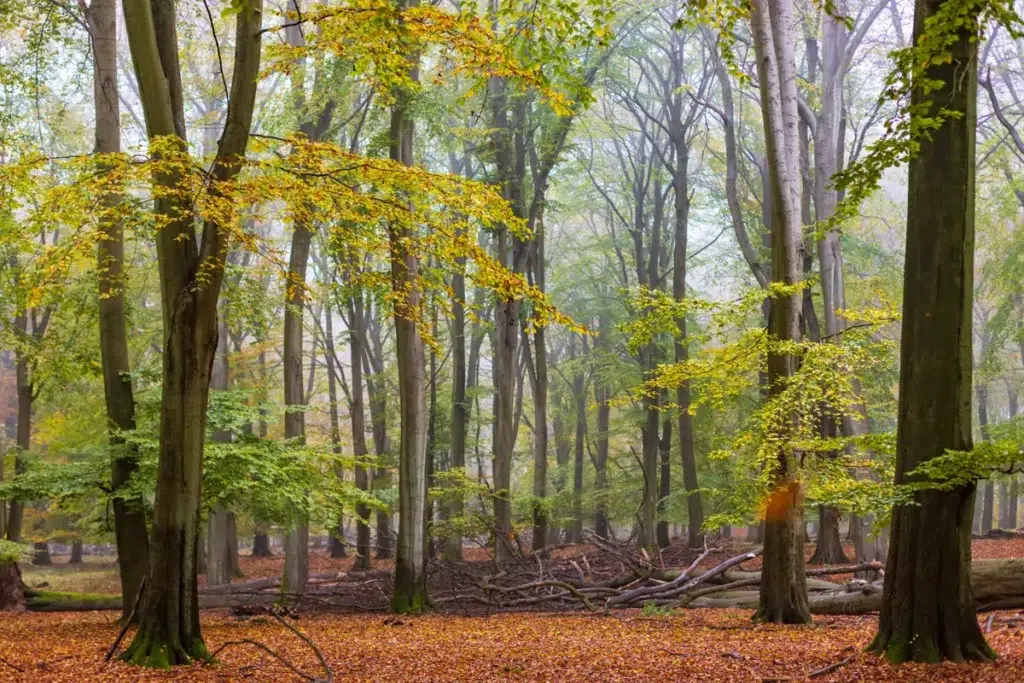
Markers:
928,609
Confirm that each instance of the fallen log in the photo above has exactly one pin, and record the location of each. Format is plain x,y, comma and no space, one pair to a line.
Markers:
997,584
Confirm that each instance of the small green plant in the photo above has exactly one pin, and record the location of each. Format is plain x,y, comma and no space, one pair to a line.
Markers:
653,609
14,552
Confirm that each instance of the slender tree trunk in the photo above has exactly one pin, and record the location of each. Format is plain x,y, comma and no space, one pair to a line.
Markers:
218,555
580,395
25,391
602,396
130,531
460,404
928,611
540,406
664,481
988,499
358,415
783,585
410,593
337,545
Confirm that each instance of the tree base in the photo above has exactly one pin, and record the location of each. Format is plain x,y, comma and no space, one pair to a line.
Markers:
932,650
157,652
416,603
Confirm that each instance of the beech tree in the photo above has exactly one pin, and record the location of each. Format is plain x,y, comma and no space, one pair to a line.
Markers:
783,586
191,272
928,609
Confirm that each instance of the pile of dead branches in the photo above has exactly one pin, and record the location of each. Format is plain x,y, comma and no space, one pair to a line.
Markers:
638,581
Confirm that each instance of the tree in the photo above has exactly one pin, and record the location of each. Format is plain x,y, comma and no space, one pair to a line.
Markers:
129,515
783,586
191,273
927,606
410,593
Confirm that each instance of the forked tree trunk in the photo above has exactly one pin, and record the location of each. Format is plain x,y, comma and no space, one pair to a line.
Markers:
190,278
410,594
783,594
928,609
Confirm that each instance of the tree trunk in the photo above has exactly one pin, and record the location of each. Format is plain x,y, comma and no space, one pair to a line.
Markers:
988,499
191,274
337,542
261,545
129,515
41,554
783,594
218,555
928,609
296,540
540,406
410,594
358,414
664,481
25,391
76,553
602,396
460,404
828,549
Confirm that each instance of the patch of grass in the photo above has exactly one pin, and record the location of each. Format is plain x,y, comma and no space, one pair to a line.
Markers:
97,575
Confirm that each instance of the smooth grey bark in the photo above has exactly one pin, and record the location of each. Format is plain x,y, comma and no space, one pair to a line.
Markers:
580,400
783,592
130,531
337,536
410,593
602,397
357,411
928,609
540,403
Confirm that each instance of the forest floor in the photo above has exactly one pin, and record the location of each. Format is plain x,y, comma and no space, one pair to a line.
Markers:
688,645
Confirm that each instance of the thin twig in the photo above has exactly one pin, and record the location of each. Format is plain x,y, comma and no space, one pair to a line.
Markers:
127,622
307,641
831,667
13,666
256,643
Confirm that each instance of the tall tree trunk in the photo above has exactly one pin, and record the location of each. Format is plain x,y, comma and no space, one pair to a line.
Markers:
191,274
337,545
296,539
783,595
928,611
664,481
23,442
580,396
381,443
358,414
129,514
460,404
988,501
602,396
218,555
540,405
410,594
